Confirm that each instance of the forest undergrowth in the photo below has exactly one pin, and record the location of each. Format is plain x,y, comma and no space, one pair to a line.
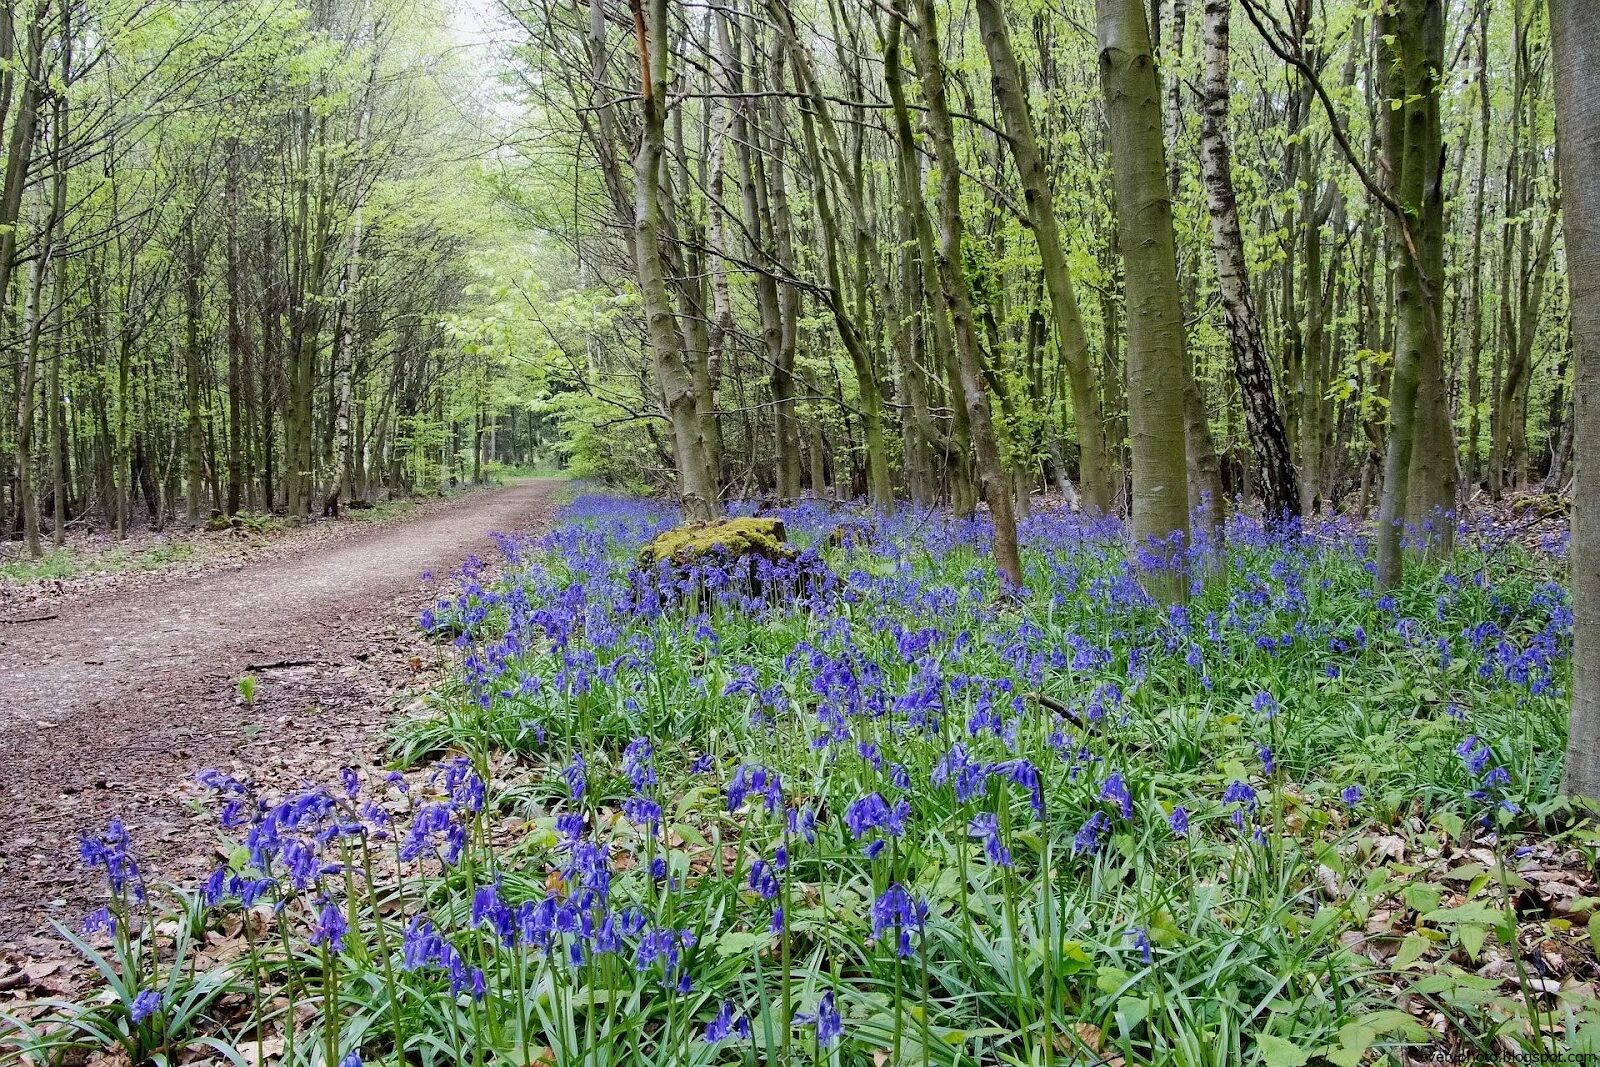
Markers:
857,807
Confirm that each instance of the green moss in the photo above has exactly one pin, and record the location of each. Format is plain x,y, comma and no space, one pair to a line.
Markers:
734,537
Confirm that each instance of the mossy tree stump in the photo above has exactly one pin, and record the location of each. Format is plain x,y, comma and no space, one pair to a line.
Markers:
762,538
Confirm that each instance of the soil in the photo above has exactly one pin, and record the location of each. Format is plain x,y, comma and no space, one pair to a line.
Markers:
112,703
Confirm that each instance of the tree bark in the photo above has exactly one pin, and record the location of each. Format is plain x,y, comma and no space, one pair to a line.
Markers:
1074,342
1251,367
1575,42
1410,59
1156,350
958,300
697,480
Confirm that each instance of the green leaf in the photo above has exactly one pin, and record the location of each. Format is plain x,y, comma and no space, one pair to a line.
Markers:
1422,897
1354,1040
1473,911
1411,950
1111,979
1280,1052
740,942
1131,1011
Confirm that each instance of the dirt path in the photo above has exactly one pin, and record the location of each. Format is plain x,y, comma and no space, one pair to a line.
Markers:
111,707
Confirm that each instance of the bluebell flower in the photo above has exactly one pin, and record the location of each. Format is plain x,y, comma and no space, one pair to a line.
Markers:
896,913
986,826
100,921
1116,790
1351,795
726,1025
1141,942
330,928
353,1059
1474,754
214,888
576,777
866,813
1178,821
1087,839
1268,764
826,1019
113,852
146,1004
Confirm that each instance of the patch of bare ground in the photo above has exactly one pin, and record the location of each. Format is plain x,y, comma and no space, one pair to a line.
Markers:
109,707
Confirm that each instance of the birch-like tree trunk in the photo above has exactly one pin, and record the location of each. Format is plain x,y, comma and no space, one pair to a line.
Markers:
1251,367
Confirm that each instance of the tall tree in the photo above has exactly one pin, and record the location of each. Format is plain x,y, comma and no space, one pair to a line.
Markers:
1251,367
958,297
1156,349
1575,41
674,377
1039,199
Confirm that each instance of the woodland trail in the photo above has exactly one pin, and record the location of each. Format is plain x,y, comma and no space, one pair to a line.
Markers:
111,707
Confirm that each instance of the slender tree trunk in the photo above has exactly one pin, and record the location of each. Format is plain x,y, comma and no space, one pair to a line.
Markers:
1156,355
673,376
1251,367
1410,60
1074,342
1475,268
958,299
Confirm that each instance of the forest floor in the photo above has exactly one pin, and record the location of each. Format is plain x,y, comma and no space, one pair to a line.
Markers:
120,693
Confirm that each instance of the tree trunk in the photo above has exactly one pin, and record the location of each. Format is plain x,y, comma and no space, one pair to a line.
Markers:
1013,100
673,376
1251,367
1575,42
1156,356
1410,61
958,299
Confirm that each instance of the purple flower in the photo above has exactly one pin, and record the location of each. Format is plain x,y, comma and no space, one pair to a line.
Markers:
763,880
826,1018
146,1004
1141,942
1265,705
1087,839
1351,795
896,912
1474,753
986,826
100,921
1116,791
638,763
575,776
726,1025
330,928
1178,821
1268,764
